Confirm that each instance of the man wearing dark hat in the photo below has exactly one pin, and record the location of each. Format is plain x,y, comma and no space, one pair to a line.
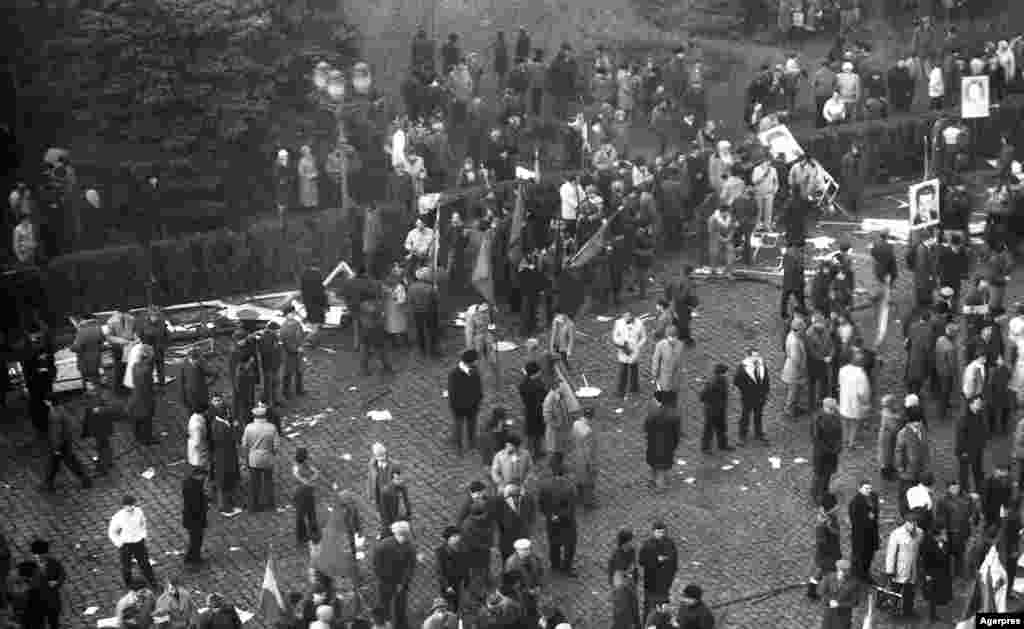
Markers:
693,613
663,430
195,378
476,521
465,392
61,439
532,392
827,542
452,567
47,578
715,397
659,560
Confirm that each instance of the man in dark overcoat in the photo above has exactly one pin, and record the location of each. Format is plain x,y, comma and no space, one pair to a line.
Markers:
193,513
864,538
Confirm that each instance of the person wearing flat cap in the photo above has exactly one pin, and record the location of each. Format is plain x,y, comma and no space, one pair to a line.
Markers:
839,593
693,612
452,567
47,578
142,405
465,392
530,570
260,444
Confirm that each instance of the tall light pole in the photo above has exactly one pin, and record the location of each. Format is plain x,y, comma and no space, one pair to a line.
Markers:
331,89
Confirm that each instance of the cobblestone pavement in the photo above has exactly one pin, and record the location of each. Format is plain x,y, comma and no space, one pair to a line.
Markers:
741,531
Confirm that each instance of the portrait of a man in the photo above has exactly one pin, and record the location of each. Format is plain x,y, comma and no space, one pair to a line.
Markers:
974,94
924,204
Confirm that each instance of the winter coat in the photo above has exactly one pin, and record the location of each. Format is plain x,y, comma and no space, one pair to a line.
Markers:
143,400
937,566
667,365
845,594
88,344
584,453
912,456
827,544
335,554
663,428
901,555
557,436
864,537
194,504
794,370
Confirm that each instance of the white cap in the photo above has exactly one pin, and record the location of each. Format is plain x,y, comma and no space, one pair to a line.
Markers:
563,625
911,400
401,527
522,544
847,67
378,448
282,153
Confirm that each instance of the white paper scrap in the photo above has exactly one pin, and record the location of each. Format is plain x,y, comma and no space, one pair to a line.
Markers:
744,488
444,393
726,468
618,411
680,462
691,480
360,541
735,461
108,623
360,555
776,462
244,616
380,416
603,319
92,609
799,459
149,473
346,457
235,548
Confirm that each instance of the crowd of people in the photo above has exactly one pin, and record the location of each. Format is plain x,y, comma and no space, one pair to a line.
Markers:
550,258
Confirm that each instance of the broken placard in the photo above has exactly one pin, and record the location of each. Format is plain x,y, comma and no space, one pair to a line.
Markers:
108,623
507,346
380,416
726,468
243,615
603,319
799,459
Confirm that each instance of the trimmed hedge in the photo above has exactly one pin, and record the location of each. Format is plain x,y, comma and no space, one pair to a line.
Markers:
895,147
227,262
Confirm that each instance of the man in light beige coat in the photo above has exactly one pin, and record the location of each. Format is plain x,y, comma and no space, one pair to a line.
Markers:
667,366
794,370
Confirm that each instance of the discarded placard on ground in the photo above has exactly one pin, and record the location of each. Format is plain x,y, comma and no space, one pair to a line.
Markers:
799,459
89,611
149,473
507,346
380,416
726,468
108,623
603,318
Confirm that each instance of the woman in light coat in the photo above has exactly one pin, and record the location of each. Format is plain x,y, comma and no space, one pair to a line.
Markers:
794,369
309,196
901,557
585,457
557,421
396,315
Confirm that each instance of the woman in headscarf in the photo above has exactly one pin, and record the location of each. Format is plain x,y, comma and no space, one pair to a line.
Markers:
335,556
309,196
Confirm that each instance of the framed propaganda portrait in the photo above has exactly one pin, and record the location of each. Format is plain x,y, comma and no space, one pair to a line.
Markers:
924,204
780,140
974,95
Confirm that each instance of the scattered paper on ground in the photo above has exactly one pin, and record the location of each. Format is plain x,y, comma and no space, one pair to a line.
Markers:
235,548
108,623
691,480
618,411
507,346
799,459
726,468
173,553
360,555
178,462
444,393
744,488
329,351
821,242
380,416
346,457
680,462
92,609
735,461
244,616
149,473
603,319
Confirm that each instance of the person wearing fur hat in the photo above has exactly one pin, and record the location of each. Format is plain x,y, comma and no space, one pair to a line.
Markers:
441,616
260,444
827,544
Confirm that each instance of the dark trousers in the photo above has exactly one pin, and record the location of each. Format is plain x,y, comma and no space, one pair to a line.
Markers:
819,106
292,372
160,364
562,544
860,559
194,553
117,351
271,387
104,454
822,478
454,599
394,600
817,384
651,599
426,332
66,457
138,552
907,604
528,312
261,488
306,527
752,411
536,100
798,296
714,427
970,467
629,378
378,347
464,421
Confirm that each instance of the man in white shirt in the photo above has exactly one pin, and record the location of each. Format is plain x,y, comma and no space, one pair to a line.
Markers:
854,397
420,242
127,531
198,449
570,194
629,335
